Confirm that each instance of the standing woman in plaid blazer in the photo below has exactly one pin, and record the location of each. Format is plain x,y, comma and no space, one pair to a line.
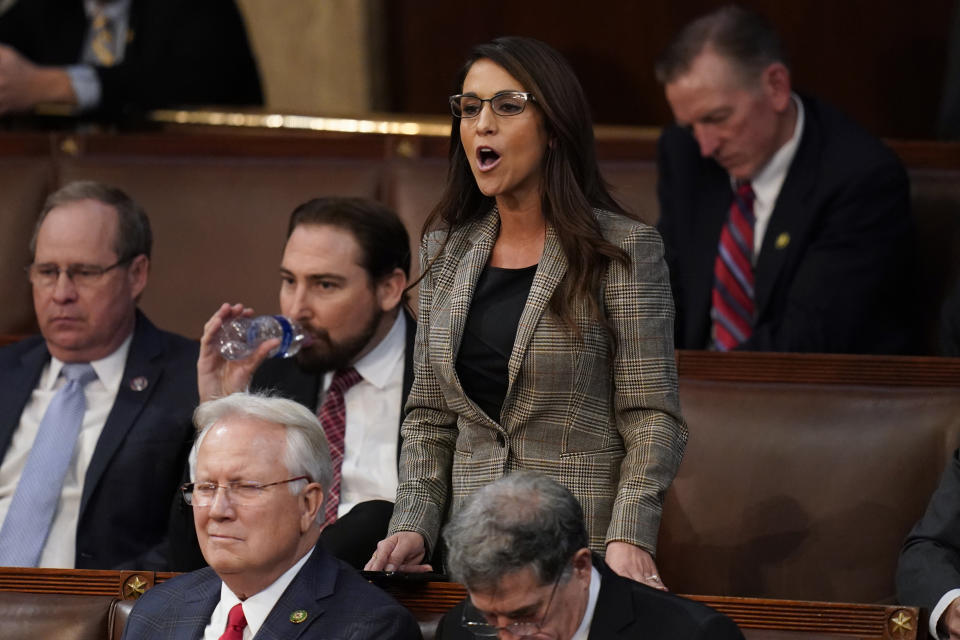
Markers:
545,335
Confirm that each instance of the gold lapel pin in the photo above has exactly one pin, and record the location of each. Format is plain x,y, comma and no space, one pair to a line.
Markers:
298,616
782,240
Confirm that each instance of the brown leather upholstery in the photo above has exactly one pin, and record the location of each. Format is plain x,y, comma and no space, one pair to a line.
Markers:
121,611
24,183
801,491
219,224
32,616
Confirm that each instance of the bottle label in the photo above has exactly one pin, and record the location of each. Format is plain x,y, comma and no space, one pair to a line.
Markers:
287,337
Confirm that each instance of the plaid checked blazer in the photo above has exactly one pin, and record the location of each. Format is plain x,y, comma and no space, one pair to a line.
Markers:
608,428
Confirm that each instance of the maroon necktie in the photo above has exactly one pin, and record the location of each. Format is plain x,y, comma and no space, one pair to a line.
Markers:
732,308
235,624
333,417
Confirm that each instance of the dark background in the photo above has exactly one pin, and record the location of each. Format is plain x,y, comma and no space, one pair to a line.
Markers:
882,62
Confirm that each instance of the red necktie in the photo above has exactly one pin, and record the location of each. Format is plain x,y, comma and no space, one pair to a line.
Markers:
732,309
333,417
235,624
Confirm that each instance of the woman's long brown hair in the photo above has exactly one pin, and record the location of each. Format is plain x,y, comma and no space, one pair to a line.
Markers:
571,186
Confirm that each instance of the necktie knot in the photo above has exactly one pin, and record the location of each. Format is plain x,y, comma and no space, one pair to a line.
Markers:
80,372
344,379
236,622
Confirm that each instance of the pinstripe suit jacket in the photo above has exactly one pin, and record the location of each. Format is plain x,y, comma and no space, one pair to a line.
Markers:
606,426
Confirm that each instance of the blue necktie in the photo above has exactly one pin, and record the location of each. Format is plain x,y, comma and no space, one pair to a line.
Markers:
35,500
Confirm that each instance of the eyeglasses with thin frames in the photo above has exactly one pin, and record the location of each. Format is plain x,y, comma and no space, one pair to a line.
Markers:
241,492
505,103
47,275
473,620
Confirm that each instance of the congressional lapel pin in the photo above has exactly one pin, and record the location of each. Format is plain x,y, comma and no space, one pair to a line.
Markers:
298,616
139,383
782,240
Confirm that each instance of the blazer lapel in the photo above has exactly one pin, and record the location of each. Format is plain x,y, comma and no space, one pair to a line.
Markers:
16,386
549,274
198,604
791,215
461,269
301,604
140,377
714,210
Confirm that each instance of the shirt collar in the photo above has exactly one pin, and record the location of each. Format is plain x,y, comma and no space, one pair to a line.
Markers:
109,370
583,631
377,366
767,182
257,607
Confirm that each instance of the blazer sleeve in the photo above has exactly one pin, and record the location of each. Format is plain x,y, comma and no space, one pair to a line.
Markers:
929,563
429,430
639,308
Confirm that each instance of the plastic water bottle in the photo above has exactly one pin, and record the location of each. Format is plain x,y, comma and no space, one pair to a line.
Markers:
240,337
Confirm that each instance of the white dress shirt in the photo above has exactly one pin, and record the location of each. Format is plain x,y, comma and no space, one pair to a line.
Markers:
60,548
584,629
767,182
373,405
256,608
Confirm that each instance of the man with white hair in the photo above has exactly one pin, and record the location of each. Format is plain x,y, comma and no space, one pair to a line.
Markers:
520,547
260,469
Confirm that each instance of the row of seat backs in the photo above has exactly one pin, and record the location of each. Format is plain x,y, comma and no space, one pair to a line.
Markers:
219,215
32,616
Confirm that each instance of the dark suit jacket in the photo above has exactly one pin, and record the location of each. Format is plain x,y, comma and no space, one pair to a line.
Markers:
835,270
630,610
353,537
181,52
338,602
136,465
930,559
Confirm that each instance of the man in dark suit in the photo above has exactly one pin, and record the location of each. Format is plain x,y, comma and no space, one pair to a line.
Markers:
928,574
108,478
120,57
520,547
343,278
260,469
815,252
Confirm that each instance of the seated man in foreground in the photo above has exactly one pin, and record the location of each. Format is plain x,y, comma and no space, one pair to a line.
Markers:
261,469
928,573
520,547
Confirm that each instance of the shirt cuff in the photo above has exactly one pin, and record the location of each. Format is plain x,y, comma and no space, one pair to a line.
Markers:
86,86
938,610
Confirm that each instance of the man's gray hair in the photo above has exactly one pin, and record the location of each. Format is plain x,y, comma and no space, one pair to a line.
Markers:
133,227
523,520
307,453
742,37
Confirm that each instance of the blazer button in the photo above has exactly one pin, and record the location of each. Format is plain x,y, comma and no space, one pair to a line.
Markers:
501,440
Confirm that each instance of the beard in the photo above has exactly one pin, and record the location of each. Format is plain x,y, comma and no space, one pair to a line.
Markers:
324,354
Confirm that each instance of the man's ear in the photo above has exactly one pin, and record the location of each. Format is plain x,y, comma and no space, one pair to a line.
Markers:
776,84
137,273
310,501
582,560
390,289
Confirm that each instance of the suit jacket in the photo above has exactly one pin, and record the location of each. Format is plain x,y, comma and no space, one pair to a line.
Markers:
179,52
606,426
135,469
835,270
353,537
338,602
929,563
628,610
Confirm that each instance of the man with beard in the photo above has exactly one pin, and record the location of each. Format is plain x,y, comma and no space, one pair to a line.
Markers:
343,274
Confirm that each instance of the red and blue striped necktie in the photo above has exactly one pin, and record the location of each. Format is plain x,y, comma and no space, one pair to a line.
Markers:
732,310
